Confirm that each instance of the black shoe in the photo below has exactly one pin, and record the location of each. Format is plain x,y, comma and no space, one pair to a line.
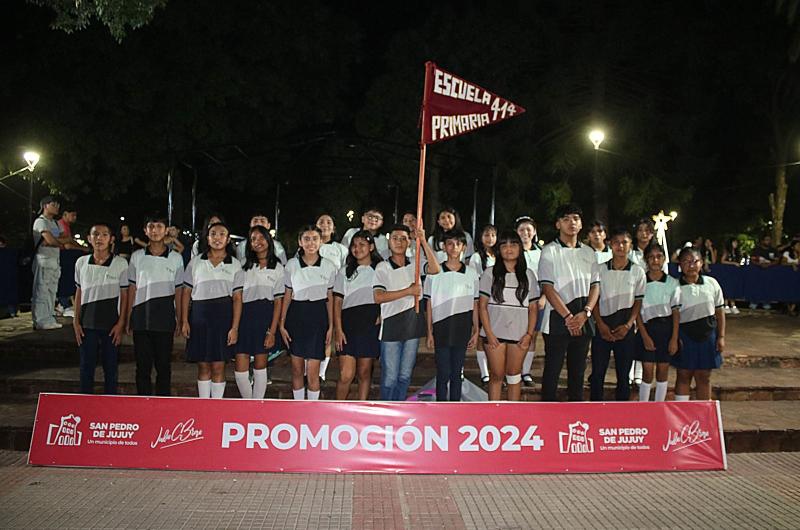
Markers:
527,380
485,380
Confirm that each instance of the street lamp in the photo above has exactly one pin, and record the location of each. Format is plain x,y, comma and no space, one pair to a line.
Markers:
600,186
31,158
596,137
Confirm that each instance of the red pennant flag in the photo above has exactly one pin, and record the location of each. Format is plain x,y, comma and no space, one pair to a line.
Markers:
453,106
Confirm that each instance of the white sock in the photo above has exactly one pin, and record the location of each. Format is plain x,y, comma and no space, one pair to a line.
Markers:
259,383
300,393
661,390
323,367
217,390
313,395
243,382
204,388
644,391
482,364
631,373
305,368
637,369
527,363
681,398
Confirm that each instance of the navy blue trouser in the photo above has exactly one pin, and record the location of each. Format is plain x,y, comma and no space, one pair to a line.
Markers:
449,362
623,358
97,341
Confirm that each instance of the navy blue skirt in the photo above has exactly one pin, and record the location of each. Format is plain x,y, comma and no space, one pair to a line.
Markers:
210,322
695,355
253,327
307,324
660,330
358,324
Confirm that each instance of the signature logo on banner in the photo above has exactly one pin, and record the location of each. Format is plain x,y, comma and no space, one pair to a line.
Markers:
65,433
182,433
576,441
689,435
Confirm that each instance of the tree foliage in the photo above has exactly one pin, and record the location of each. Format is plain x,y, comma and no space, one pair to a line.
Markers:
119,16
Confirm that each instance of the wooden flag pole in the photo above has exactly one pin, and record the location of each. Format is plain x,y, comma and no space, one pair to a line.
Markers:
421,183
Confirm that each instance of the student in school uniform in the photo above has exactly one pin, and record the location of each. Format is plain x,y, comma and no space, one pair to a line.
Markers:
448,220
622,288
570,283
509,292
306,323
597,240
154,314
213,281
330,249
452,316
395,288
410,220
372,221
702,329
357,316
201,245
658,324
262,294
526,229
101,282
645,230
480,261
259,218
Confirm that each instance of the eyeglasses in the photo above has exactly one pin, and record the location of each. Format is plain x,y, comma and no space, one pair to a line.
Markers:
373,217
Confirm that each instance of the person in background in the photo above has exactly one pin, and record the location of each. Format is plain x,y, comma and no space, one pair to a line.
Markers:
173,240
645,230
48,242
410,220
448,220
731,255
764,255
259,218
597,240
123,244
69,215
526,230
201,245
330,249
791,257
480,261
372,221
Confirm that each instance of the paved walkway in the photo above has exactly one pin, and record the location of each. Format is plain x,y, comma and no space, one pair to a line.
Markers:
758,491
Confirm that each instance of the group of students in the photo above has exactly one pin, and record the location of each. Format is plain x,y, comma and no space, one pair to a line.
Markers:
360,299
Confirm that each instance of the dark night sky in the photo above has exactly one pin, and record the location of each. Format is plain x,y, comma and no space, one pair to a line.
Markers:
324,99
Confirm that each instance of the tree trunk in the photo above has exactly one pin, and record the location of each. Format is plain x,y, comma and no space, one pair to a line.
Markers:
777,204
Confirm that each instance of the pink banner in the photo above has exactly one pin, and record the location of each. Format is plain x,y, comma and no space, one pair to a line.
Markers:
375,437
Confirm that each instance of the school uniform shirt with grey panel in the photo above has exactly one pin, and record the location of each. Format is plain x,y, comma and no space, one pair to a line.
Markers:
381,242
309,283
476,262
241,251
452,295
605,255
156,277
699,302
263,283
619,289
358,300
100,286
570,270
399,320
441,255
661,297
208,282
509,318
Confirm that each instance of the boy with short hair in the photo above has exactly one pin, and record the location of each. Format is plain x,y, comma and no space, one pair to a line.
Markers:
571,286
48,242
101,303
372,221
156,275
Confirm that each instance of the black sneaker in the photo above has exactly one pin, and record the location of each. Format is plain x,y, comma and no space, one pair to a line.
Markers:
485,380
527,380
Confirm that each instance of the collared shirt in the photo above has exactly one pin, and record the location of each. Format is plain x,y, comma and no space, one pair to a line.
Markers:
660,298
357,289
335,252
532,258
476,262
100,287
309,283
452,295
43,224
399,320
571,272
509,318
619,289
604,255
701,299
156,277
262,283
441,255
241,251
209,282
381,242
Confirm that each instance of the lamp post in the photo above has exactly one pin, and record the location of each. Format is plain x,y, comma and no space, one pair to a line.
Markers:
31,159
597,136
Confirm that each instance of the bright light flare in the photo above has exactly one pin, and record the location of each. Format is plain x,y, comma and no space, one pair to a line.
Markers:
596,137
32,158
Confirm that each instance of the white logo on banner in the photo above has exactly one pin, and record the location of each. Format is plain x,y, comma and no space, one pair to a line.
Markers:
576,441
182,433
689,435
65,433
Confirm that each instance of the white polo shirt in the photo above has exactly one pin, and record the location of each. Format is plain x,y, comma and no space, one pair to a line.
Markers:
156,277
309,283
100,287
660,298
241,251
699,302
399,320
476,262
263,283
208,282
605,255
441,255
619,289
335,252
532,258
571,272
381,242
452,295
357,289
509,318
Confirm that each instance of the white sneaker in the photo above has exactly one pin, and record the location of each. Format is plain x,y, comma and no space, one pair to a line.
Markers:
52,325
727,310
735,310
59,310
68,312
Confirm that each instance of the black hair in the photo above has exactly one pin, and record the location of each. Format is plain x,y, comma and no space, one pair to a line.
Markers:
107,225
156,217
480,249
620,231
251,258
790,250
458,236
351,263
653,247
568,209
334,237
203,246
526,219
303,230
68,208
399,227
260,213
645,221
600,224
499,270
685,251
438,232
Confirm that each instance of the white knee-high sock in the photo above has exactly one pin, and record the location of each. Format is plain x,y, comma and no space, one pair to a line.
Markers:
482,364
243,382
633,370
323,367
313,395
644,391
217,390
204,388
528,362
637,369
681,398
259,383
661,390
305,368
300,393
